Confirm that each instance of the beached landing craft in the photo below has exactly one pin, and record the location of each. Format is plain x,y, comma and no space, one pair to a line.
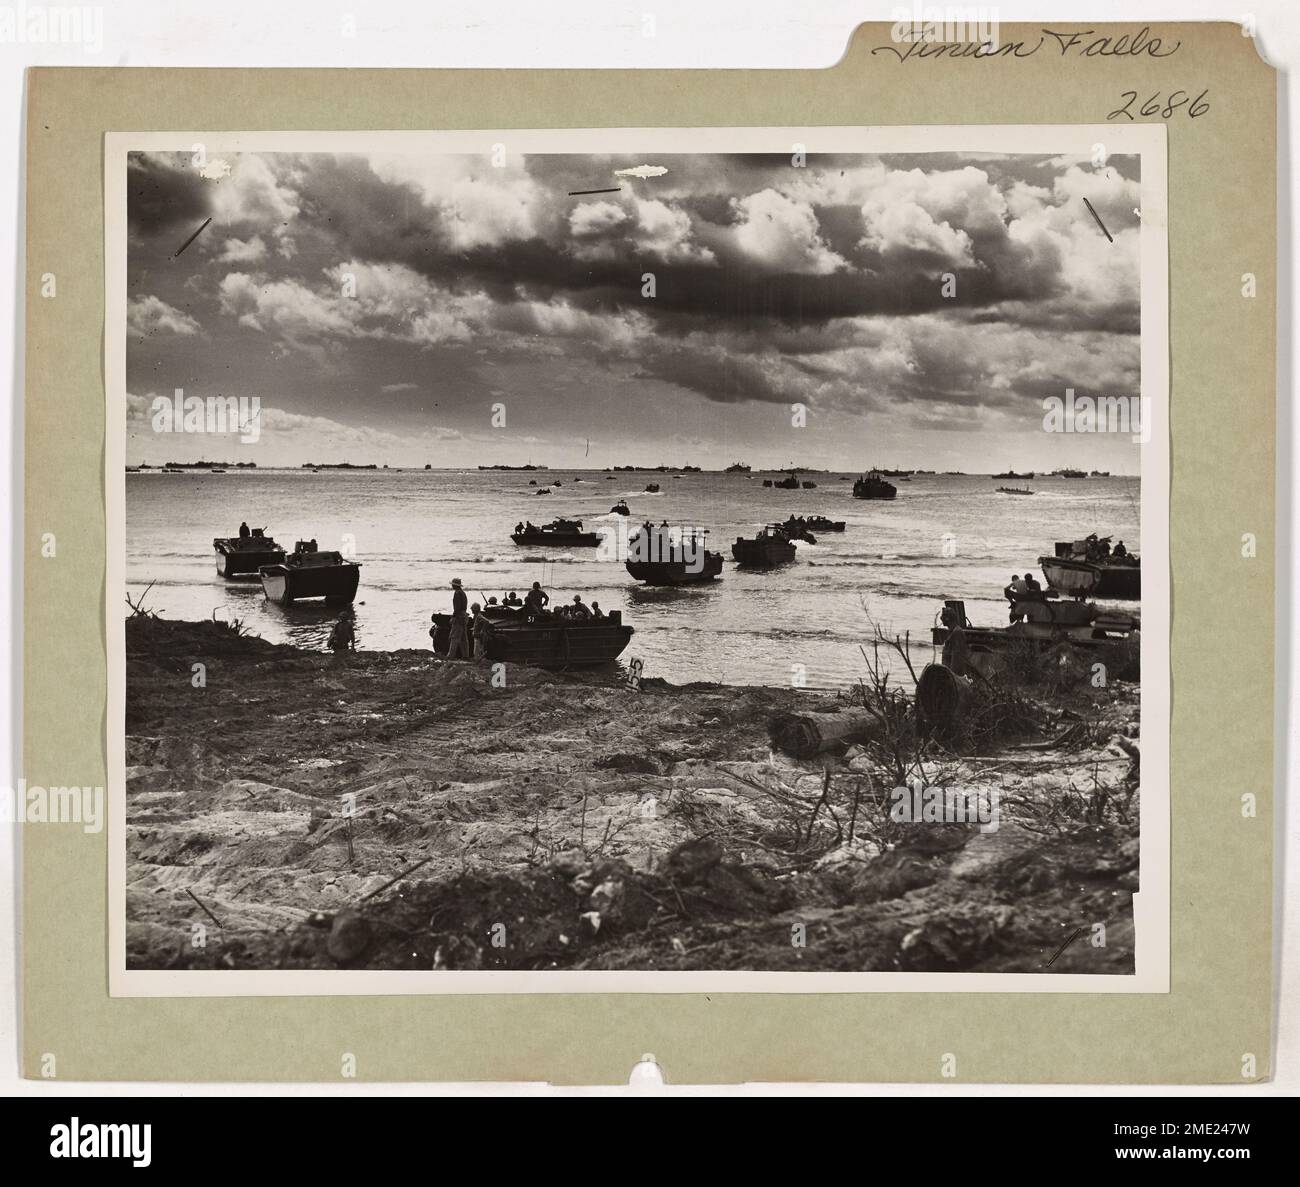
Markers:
672,566
1046,622
546,642
310,573
771,547
244,556
1070,572
872,486
558,533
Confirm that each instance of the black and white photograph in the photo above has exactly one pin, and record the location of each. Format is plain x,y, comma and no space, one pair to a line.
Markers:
819,666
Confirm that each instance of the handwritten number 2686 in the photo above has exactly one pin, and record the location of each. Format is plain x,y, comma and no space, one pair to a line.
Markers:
1153,106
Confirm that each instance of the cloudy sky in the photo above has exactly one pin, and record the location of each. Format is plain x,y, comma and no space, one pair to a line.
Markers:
381,305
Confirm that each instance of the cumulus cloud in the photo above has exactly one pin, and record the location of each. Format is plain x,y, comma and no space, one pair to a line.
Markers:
351,300
935,213
782,234
472,202
240,251
147,315
596,218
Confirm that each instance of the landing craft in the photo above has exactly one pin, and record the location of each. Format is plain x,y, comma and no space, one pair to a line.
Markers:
657,559
311,573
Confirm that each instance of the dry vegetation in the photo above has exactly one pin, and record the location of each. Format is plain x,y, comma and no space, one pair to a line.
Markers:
392,811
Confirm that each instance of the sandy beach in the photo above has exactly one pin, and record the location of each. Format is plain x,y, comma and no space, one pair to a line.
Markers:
389,810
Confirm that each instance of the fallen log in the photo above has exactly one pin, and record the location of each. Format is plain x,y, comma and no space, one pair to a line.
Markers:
804,734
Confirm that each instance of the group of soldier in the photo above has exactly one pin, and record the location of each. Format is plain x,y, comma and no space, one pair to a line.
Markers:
470,621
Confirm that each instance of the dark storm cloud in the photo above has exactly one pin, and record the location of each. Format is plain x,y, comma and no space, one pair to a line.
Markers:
163,196
379,220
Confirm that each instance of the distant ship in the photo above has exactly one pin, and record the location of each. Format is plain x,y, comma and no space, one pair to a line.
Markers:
1070,473
873,486
737,468
1013,474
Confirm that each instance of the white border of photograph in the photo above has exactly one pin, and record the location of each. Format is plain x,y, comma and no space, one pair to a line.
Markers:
1150,906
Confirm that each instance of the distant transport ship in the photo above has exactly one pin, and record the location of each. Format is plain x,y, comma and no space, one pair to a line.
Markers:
545,641
736,468
873,486
771,547
567,533
1067,473
1013,474
243,556
311,573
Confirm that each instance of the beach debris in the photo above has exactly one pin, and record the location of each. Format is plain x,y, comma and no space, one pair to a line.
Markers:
942,696
570,863
349,936
203,907
801,735
691,860
459,952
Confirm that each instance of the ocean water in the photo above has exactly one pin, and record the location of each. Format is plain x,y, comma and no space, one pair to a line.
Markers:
414,530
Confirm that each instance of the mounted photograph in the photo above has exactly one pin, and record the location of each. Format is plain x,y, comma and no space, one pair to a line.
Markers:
820,667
